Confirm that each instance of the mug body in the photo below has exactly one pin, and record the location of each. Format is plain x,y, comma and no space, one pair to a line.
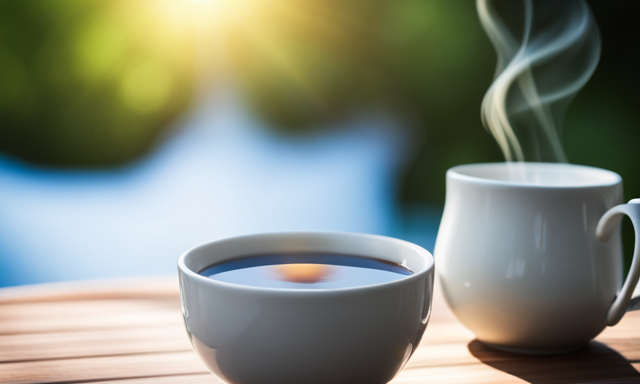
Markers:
517,254
252,335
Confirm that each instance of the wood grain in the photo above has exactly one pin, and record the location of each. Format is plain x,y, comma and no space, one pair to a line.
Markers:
48,346
131,332
101,368
181,379
147,287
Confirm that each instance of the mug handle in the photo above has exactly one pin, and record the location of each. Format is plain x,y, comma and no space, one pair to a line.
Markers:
605,229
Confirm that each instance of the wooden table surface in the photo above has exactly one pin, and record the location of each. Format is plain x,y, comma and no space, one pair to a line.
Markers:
131,332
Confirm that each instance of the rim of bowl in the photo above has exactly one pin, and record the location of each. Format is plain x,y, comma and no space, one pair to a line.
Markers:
455,173
426,269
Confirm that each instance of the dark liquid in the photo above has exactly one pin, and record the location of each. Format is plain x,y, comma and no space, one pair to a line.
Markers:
306,271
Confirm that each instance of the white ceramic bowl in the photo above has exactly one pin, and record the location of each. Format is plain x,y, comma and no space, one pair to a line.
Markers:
251,335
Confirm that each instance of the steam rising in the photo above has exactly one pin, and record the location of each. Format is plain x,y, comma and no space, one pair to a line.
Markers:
542,64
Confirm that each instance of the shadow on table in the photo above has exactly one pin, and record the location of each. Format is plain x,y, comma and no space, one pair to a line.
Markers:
594,363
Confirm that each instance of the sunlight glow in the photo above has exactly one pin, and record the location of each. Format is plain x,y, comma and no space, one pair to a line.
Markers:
265,43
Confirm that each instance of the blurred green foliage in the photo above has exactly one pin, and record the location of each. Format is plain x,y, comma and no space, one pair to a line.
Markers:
82,84
95,82
427,62
430,62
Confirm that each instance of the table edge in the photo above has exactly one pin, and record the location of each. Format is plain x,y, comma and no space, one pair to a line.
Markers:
112,288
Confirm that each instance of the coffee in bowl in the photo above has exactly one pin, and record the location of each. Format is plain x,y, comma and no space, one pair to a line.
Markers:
305,270
291,308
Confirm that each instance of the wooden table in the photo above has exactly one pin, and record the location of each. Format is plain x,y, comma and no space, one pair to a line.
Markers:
131,332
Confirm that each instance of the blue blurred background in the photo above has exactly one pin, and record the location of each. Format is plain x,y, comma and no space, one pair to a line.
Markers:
132,131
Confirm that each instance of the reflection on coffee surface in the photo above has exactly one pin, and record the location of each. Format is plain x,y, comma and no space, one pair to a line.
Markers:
306,271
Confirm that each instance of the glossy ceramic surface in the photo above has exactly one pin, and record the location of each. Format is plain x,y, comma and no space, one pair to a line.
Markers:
518,256
251,335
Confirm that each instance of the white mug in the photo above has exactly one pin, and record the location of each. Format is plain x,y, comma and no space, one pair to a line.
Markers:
529,254
255,335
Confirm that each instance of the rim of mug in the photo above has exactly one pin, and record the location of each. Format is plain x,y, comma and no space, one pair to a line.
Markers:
454,173
427,268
